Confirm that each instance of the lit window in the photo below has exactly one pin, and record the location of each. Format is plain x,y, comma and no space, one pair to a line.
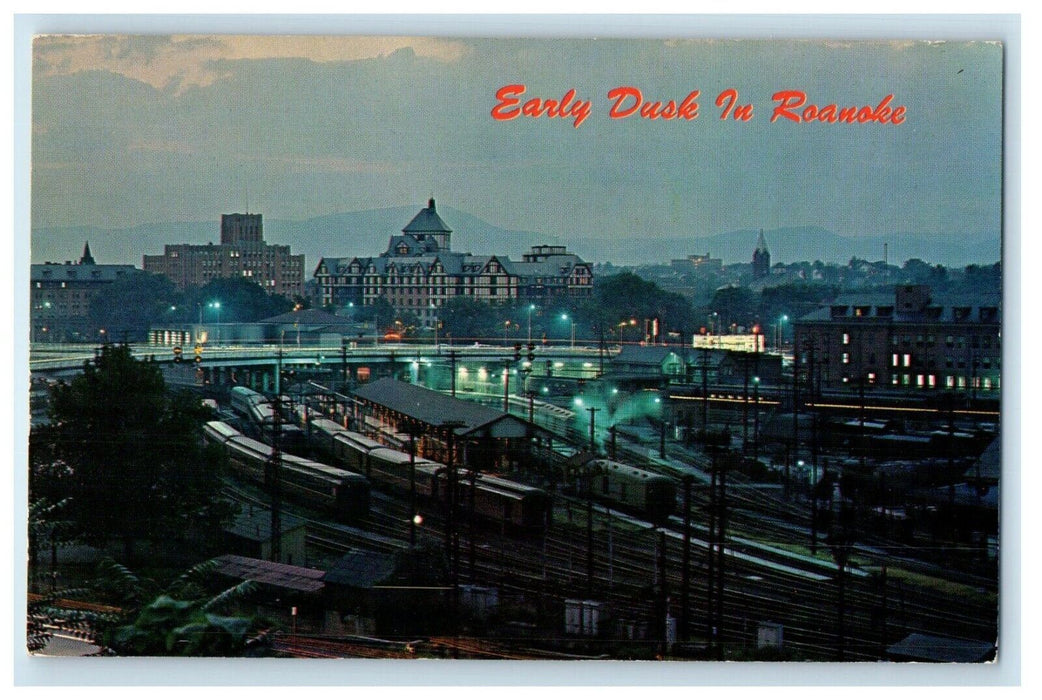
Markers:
894,360
906,360
846,358
846,339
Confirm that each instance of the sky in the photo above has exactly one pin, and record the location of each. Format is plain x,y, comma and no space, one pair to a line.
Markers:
130,130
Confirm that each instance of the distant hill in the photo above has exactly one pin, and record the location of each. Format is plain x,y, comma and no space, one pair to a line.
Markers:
360,233
795,244
367,232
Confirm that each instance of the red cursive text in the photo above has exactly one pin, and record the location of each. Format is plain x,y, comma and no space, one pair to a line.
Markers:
508,98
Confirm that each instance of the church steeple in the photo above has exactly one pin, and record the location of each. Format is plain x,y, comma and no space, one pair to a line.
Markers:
761,258
87,258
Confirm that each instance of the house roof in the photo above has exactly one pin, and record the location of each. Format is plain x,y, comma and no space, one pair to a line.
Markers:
307,317
985,306
647,354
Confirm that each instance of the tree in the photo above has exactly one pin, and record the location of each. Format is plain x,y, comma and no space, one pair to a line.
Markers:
241,300
630,296
127,455
185,619
735,305
463,317
127,307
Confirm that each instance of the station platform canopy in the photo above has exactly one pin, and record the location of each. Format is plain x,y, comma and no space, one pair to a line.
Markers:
434,410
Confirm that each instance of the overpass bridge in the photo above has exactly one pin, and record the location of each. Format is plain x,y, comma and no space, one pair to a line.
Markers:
257,365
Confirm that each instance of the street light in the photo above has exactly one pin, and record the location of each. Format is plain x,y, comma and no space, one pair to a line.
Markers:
531,308
564,317
781,335
216,305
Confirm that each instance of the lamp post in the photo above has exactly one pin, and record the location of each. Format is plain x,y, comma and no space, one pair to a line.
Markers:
781,335
531,308
756,419
564,317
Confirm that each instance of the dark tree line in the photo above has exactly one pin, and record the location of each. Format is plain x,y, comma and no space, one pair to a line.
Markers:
126,457
130,306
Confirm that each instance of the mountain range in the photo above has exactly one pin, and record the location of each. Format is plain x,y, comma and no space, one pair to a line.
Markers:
365,233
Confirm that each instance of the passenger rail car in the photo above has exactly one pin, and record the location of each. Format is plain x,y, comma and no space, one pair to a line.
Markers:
637,490
259,412
497,500
344,494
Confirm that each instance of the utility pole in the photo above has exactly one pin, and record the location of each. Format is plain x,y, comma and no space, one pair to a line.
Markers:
705,392
593,410
452,532
412,486
452,364
275,467
506,386
343,359
685,572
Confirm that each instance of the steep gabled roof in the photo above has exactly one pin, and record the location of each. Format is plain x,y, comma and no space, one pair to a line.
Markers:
427,221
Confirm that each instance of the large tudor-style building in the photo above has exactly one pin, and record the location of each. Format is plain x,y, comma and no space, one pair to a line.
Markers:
419,273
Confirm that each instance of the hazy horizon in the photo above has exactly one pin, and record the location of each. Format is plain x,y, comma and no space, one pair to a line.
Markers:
131,130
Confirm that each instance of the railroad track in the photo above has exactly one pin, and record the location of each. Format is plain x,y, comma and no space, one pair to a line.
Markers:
763,579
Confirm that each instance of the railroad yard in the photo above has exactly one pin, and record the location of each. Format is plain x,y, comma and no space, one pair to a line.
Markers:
734,569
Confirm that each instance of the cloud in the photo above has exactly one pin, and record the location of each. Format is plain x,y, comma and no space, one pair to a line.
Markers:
181,62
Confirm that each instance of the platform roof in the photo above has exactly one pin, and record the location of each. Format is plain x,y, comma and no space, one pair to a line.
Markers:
435,409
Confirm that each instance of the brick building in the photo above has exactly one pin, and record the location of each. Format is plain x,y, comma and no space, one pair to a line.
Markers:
241,252
908,340
419,273
60,296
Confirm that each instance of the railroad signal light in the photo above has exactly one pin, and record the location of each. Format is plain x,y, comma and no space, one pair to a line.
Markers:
517,352
198,359
177,354
531,352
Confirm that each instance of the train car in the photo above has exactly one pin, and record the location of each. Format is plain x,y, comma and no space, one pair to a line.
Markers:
243,401
637,490
502,500
497,500
344,494
259,413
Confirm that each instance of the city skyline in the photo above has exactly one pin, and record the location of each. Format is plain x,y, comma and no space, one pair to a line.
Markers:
182,128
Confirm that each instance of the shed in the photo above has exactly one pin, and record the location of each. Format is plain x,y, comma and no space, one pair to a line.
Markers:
272,574
250,535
